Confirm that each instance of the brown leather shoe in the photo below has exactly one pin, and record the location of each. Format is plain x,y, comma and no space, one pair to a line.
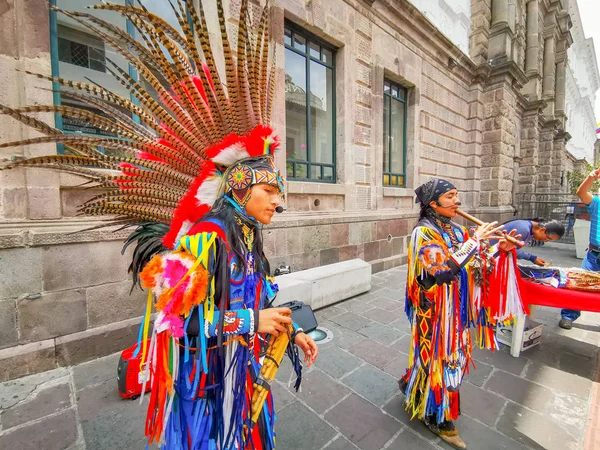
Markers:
448,432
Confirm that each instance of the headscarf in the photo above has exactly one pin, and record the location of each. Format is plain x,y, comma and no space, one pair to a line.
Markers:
431,191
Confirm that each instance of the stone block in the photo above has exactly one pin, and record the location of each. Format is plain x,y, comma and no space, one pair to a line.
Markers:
340,234
335,282
336,362
44,402
43,203
480,404
293,237
371,251
385,249
520,391
330,256
112,302
316,238
373,384
93,343
53,314
348,252
96,372
290,435
291,289
372,352
398,245
21,272
320,391
540,433
59,263
52,433
367,427
306,261
350,320
27,359
14,202
8,323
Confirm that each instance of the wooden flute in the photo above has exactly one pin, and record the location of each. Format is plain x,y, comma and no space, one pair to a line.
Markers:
504,235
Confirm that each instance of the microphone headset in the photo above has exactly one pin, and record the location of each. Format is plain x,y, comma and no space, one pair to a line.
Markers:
279,209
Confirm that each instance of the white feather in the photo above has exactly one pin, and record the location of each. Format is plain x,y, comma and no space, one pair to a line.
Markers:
231,154
207,192
185,227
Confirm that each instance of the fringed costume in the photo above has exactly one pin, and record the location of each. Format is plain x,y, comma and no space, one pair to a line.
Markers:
188,150
450,290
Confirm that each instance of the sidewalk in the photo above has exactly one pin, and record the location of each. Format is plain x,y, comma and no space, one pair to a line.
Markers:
546,399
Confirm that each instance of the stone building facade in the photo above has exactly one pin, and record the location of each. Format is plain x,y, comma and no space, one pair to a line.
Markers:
492,121
582,84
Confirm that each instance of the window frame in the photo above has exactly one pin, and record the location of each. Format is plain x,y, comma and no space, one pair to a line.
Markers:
389,97
311,38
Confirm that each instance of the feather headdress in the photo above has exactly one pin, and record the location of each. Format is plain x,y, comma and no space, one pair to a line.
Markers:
193,123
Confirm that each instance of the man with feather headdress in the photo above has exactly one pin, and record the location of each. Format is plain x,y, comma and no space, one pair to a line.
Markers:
196,176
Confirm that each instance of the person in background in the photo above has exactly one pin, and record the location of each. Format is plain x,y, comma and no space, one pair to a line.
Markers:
592,258
531,230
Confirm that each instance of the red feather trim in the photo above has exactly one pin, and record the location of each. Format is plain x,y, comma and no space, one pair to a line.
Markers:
189,209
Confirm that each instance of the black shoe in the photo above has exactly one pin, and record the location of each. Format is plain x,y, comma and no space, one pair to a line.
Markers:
402,385
566,324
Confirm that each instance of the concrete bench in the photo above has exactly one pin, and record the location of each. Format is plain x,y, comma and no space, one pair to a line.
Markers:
325,285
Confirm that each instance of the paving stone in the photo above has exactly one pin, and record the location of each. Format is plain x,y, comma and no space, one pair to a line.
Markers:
329,312
95,400
520,390
381,315
367,426
357,305
394,294
387,304
478,436
403,344
534,430
298,428
341,443
381,333
500,359
479,375
402,324
480,404
336,362
395,408
373,352
558,379
46,401
373,384
96,372
320,392
119,428
281,396
342,337
52,433
27,359
351,321
15,391
397,367
410,440
566,354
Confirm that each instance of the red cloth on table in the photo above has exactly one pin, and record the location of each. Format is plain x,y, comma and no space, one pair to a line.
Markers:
544,295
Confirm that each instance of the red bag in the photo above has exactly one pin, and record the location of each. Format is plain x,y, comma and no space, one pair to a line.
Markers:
129,378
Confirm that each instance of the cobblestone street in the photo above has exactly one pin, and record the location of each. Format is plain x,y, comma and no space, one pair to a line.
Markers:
546,399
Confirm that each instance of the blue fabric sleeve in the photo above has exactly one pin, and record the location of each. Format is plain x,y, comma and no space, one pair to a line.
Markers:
521,254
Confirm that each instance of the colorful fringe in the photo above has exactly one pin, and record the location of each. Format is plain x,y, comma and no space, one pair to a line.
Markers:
201,392
441,318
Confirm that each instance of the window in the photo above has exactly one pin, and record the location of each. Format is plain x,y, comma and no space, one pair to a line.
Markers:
394,134
309,107
80,49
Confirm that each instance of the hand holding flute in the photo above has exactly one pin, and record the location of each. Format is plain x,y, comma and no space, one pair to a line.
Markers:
491,231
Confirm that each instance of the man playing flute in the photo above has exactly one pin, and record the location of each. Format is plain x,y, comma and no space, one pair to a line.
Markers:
442,303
